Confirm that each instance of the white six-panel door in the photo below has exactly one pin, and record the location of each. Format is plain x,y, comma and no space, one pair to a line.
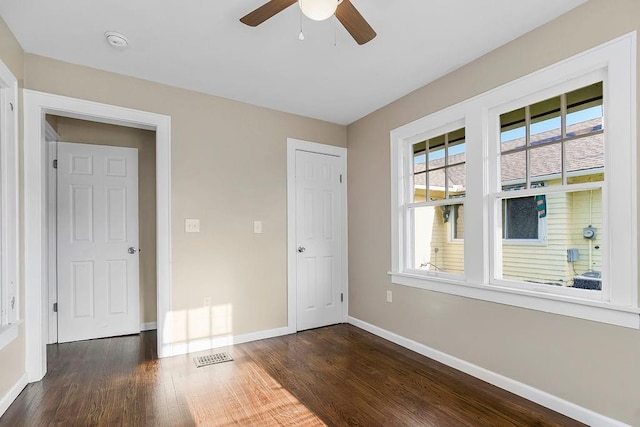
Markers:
97,225
318,235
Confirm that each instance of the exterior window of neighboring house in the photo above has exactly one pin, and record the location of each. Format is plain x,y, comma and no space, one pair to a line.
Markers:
527,194
438,190
8,206
520,219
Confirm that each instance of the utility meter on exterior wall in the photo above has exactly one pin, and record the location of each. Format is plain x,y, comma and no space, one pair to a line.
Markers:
589,232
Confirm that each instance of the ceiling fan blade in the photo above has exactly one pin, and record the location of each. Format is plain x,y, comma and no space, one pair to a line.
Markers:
266,11
354,23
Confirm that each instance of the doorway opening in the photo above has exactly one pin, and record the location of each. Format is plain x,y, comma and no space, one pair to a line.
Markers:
103,136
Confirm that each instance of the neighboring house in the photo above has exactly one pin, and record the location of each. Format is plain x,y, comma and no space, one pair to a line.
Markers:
537,231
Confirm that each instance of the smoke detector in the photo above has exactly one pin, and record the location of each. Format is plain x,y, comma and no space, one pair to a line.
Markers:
116,40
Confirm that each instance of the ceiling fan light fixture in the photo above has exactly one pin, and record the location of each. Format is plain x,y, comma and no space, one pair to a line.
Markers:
318,10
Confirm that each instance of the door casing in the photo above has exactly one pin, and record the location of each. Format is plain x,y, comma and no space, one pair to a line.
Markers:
36,105
294,145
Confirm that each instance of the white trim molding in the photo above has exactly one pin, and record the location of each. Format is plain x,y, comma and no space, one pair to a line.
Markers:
148,326
294,145
9,204
614,64
540,397
36,105
13,393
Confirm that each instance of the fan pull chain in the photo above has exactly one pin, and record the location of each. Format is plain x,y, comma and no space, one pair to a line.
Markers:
301,35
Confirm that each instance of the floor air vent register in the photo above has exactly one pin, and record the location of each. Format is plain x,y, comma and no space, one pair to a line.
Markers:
212,359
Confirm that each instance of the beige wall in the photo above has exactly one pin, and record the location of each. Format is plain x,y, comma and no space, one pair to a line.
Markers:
12,357
83,131
591,364
228,169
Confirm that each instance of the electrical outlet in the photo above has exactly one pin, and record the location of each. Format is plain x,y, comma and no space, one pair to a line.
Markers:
192,225
389,296
207,301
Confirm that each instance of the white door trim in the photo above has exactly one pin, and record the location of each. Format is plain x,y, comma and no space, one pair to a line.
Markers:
36,105
51,139
294,145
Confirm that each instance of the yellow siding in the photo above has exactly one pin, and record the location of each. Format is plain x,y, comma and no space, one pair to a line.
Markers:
437,253
544,262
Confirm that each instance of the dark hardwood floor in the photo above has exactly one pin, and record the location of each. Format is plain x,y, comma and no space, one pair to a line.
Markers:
338,375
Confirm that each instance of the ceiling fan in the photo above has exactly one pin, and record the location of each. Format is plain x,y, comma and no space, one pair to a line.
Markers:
318,10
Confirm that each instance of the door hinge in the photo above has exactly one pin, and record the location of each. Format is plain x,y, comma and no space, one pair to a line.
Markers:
341,297
55,164
340,178
55,307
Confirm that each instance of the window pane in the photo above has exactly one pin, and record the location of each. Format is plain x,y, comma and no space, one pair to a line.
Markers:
520,218
436,152
456,152
513,168
512,130
585,158
436,184
584,110
456,180
549,263
432,249
546,162
545,121
458,221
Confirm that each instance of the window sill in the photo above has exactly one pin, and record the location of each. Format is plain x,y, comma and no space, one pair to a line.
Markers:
8,333
596,311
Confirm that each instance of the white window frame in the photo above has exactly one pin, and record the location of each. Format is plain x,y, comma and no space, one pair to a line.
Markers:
9,225
407,184
614,63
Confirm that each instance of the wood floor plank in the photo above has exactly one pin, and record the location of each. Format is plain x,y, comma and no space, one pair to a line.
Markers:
339,375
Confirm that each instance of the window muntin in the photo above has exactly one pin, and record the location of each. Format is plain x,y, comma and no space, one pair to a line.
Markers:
438,175
438,167
553,139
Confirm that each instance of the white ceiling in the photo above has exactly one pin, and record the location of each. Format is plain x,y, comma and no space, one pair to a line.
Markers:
202,46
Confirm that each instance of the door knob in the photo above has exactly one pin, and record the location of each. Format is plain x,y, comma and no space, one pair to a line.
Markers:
301,249
132,250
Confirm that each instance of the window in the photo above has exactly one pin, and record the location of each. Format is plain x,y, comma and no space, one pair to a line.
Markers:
8,206
437,192
517,196
560,140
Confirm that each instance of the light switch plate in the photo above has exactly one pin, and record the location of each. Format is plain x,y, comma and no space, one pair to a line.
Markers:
257,227
192,225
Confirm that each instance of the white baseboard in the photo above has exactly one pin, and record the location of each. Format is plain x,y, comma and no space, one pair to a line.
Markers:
223,341
148,326
540,397
11,395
